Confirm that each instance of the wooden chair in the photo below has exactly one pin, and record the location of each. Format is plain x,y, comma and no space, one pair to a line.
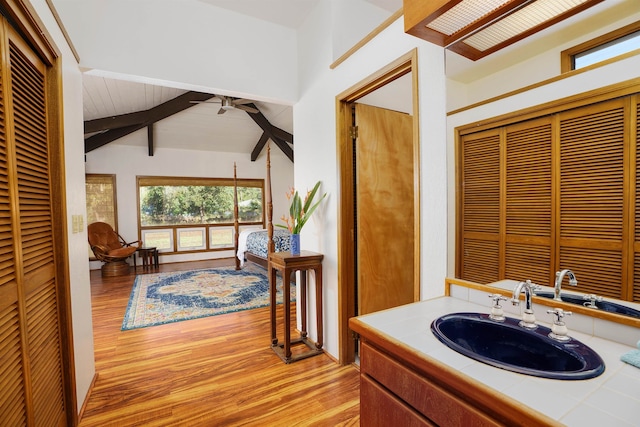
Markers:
110,248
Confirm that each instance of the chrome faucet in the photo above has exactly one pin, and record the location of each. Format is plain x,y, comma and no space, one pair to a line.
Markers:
559,277
528,318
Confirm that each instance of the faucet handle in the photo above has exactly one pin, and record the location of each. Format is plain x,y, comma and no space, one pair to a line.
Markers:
497,313
496,299
535,288
591,300
559,329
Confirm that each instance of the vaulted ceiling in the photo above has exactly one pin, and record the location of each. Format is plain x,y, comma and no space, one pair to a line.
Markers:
164,117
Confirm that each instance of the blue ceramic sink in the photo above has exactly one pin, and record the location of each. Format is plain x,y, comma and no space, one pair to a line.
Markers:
509,346
609,306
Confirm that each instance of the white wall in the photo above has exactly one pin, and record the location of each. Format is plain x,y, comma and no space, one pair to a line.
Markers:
76,205
127,162
352,21
187,44
316,156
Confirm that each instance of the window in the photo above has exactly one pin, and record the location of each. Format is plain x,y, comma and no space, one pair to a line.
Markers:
196,214
161,239
610,46
101,201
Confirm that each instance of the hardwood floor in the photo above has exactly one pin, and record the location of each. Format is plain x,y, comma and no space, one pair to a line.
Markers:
215,371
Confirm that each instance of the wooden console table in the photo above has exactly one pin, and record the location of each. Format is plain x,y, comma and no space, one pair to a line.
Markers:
288,264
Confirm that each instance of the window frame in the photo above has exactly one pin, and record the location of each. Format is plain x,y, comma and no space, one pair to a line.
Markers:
567,56
146,181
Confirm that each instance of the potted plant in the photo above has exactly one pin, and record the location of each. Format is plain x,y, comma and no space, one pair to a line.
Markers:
299,214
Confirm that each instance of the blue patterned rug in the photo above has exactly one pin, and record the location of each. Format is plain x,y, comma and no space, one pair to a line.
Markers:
162,298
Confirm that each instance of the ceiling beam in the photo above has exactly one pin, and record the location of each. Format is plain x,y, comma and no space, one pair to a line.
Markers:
125,124
114,122
272,132
259,146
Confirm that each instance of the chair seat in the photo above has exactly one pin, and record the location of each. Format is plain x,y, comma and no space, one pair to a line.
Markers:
123,252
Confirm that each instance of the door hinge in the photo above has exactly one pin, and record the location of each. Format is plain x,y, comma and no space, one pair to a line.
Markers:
353,132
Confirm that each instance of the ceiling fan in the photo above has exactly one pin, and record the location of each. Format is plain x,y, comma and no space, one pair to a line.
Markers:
230,103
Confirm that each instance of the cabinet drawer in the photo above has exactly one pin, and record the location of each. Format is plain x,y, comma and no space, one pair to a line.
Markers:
436,403
378,407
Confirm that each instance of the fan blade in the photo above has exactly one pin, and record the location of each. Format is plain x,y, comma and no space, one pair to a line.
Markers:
205,102
221,111
242,101
247,109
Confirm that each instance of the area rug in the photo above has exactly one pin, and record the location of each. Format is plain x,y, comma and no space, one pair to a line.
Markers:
162,298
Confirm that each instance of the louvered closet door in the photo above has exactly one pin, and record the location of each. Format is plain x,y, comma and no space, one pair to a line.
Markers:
528,201
480,210
632,290
27,257
12,375
592,206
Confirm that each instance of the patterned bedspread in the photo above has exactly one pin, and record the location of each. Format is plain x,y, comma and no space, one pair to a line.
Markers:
257,241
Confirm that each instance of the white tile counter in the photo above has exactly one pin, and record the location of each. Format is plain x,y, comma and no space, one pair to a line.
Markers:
612,398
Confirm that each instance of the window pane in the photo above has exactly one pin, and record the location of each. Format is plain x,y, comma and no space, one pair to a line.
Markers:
160,239
221,237
249,204
198,204
191,239
608,50
101,199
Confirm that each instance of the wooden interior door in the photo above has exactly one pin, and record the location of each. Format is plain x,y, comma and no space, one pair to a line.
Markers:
385,209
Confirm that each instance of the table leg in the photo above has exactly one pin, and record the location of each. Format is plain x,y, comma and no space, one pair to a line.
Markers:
272,298
303,302
318,272
286,304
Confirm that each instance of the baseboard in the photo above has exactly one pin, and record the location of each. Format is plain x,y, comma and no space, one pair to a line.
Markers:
86,399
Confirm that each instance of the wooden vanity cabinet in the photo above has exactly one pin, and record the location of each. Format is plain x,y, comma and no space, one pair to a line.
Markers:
401,386
388,388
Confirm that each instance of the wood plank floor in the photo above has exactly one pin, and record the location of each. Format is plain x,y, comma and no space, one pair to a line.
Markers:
215,371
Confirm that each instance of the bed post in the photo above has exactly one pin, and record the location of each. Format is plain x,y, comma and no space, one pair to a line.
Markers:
270,244
236,224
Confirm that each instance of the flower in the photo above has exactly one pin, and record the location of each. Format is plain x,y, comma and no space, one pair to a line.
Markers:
299,213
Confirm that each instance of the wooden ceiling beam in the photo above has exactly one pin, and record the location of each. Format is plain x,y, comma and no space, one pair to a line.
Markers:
128,123
273,133
259,146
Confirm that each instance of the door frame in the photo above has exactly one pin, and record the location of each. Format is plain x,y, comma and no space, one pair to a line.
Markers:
407,63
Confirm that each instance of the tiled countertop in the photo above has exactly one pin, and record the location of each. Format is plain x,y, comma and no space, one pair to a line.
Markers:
613,398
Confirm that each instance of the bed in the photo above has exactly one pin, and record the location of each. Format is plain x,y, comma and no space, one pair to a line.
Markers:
253,244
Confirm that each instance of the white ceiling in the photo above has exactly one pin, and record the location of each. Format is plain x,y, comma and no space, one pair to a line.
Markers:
200,127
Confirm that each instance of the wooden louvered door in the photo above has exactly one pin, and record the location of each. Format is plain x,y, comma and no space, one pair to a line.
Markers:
480,208
528,201
569,197
31,373
592,207
632,291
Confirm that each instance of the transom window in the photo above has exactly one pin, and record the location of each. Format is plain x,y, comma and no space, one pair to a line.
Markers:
196,214
611,46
